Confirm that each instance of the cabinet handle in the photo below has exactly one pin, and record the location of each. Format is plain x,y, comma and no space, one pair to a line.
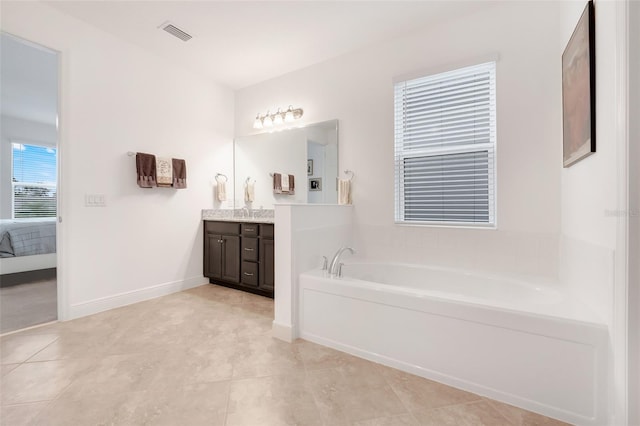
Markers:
248,274
249,229
248,249
221,241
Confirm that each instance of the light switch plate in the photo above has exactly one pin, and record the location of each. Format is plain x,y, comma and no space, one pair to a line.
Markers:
95,200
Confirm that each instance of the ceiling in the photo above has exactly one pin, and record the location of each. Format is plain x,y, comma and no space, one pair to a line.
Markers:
242,43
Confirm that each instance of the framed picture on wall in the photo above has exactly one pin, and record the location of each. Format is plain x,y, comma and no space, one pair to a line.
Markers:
315,184
579,91
309,167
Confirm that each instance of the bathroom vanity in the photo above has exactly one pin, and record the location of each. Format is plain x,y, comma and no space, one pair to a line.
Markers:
240,254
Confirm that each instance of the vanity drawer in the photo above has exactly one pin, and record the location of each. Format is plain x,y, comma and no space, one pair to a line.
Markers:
249,229
266,230
249,275
222,227
249,249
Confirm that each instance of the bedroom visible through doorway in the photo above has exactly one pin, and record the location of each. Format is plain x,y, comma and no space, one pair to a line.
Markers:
28,184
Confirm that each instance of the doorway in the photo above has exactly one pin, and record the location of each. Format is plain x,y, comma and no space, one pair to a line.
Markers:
28,184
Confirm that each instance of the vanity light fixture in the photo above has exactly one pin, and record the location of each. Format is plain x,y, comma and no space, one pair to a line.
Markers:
277,118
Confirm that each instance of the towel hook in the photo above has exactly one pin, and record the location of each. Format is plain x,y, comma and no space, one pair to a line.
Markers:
248,180
347,172
221,175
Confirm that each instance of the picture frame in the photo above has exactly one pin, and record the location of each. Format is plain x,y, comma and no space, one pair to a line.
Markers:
579,91
309,167
315,184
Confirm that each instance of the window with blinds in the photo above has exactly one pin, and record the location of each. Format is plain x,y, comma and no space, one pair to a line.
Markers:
33,181
445,138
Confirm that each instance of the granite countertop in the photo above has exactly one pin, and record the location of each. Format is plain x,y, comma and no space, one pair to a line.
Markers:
228,215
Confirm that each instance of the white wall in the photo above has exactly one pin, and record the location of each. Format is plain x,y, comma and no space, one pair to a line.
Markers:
117,98
18,129
357,89
595,206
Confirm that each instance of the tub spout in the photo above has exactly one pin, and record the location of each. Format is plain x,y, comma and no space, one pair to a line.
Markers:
333,269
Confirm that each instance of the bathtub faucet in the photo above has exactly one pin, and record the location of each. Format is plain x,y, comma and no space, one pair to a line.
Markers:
333,269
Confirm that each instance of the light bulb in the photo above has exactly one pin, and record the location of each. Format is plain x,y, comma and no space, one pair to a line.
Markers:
258,123
278,118
267,121
288,117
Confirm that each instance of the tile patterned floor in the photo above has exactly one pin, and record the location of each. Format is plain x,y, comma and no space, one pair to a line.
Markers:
206,357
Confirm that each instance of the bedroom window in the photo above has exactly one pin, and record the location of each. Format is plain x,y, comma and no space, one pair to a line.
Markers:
445,139
33,180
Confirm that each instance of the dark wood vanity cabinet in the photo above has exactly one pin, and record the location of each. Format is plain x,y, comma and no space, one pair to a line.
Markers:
240,255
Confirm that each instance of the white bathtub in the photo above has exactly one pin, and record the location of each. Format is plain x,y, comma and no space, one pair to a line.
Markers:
524,344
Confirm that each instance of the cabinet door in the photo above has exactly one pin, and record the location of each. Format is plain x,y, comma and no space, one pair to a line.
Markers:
231,258
213,256
267,265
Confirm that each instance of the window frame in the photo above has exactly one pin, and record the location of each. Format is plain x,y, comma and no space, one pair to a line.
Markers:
49,186
492,148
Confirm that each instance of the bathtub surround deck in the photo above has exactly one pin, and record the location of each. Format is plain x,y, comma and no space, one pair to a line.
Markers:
205,357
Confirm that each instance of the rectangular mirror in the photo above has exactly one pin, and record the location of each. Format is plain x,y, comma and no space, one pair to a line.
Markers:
309,153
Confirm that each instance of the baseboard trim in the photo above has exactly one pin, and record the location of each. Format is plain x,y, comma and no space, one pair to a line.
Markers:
282,332
127,298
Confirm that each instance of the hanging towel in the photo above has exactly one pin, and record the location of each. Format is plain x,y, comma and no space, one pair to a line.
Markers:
146,170
344,191
179,173
285,182
277,183
221,191
164,171
292,185
249,192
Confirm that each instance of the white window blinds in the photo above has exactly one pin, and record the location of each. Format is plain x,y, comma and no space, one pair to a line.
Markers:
445,137
33,181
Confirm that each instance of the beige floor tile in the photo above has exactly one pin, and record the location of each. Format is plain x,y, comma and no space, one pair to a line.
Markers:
317,357
520,417
6,368
21,414
273,400
266,356
78,345
117,374
402,420
200,363
348,395
114,409
194,404
16,348
418,393
472,414
39,381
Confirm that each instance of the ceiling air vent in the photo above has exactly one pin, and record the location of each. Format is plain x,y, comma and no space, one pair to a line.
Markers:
175,31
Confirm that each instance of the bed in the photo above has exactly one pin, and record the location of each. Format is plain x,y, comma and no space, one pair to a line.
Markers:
27,245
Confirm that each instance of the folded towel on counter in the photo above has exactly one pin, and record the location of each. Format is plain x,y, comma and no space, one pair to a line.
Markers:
164,172
249,192
292,185
344,191
277,183
179,173
285,182
146,170
221,191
